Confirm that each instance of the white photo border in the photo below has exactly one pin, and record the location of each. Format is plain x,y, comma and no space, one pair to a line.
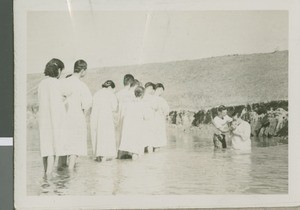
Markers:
22,201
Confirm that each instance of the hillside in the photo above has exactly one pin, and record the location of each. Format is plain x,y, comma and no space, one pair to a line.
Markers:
203,83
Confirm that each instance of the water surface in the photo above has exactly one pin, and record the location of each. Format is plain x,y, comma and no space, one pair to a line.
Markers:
188,165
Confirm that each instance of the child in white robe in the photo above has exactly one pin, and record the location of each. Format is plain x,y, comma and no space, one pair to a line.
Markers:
102,122
79,101
51,111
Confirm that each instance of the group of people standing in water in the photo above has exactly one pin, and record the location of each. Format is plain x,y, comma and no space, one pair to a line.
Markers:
122,125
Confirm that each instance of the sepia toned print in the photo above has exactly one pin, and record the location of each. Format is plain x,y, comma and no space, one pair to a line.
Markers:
207,122
156,104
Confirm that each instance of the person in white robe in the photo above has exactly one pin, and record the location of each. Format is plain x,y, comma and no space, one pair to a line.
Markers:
240,133
124,96
150,123
78,103
161,113
51,111
102,122
133,126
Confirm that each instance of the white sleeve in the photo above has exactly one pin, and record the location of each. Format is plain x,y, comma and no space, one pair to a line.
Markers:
114,103
165,107
228,119
86,98
216,123
94,121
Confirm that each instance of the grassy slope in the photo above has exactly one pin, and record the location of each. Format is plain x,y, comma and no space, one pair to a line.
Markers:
203,83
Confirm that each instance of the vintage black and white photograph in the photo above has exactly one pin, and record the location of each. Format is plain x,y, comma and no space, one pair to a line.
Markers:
155,105
157,102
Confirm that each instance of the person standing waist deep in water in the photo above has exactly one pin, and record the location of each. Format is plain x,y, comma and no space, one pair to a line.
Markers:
221,122
240,132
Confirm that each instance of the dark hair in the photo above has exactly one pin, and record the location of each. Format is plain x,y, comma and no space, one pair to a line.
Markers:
135,83
69,75
159,85
109,83
139,91
149,84
53,66
80,65
237,112
59,63
128,79
221,108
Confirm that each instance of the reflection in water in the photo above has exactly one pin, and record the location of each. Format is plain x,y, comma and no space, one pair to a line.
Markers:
188,165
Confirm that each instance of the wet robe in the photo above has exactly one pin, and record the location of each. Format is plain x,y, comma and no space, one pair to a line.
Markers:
149,134
241,137
78,100
160,122
51,111
124,97
102,123
133,128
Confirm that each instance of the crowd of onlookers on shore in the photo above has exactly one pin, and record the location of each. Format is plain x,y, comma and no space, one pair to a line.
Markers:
266,119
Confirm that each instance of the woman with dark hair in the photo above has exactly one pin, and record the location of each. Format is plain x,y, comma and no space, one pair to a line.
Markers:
160,117
51,111
102,122
133,125
240,132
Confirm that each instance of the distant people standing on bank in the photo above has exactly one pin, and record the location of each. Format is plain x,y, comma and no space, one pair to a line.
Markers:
221,122
240,132
123,96
133,125
150,123
51,111
102,122
160,117
79,101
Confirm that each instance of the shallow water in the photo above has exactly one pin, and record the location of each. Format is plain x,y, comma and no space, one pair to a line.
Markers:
188,165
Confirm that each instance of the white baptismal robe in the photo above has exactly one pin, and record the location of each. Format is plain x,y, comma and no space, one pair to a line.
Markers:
102,123
124,97
160,121
133,127
78,100
51,112
151,106
241,137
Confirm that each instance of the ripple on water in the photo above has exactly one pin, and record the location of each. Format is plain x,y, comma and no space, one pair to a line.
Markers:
188,165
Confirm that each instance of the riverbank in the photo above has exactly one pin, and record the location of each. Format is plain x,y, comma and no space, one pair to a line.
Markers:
268,119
